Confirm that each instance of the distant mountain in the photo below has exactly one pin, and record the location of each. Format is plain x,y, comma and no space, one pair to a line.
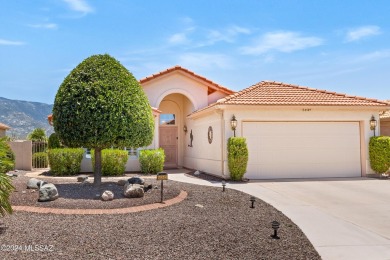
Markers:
24,116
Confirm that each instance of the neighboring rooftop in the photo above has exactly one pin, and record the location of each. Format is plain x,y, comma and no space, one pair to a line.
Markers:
212,85
4,126
278,93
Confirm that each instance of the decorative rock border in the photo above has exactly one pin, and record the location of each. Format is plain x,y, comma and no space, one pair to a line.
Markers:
179,198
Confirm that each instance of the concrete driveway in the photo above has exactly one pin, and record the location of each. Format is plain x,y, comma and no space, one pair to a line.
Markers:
343,218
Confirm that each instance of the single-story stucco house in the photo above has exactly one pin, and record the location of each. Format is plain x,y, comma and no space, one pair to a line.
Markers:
3,129
291,131
385,122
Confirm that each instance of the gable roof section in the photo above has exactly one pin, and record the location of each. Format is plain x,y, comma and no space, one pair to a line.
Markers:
212,86
4,126
277,93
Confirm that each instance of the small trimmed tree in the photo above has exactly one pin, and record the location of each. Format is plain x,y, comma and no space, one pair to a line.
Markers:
100,104
237,157
379,148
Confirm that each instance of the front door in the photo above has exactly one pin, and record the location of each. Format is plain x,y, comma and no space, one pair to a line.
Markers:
168,142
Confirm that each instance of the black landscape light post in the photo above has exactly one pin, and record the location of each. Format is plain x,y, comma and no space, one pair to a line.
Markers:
162,176
223,185
252,199
275,227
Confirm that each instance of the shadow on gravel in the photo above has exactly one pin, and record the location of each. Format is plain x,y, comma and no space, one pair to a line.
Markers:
88,191
3,228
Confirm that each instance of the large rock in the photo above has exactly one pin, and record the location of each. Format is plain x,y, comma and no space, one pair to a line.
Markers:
122,182
133,191
33,183
107,195
82,178
136,180
47,192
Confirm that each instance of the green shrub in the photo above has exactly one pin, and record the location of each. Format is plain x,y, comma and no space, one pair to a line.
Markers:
40,160
5,192
152,161
54,141
379,148
237,157
65,161
113,161
38,134
7,157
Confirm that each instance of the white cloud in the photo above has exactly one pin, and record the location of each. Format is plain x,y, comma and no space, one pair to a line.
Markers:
362,32
227,35
7,42
372,56
178,38
282,42
79,6
204,60
44,26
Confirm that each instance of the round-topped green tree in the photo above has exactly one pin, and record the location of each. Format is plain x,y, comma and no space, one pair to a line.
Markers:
100,104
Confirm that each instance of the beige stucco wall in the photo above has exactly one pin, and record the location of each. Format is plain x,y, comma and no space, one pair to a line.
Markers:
23,154
205,156
195,91
385,126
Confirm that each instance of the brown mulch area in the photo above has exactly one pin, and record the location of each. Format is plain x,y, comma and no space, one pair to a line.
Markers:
208,224
75,195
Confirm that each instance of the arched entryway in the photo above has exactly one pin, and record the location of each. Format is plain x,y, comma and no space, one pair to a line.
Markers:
174,109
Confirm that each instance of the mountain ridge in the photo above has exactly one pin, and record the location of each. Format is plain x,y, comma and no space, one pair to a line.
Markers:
24,116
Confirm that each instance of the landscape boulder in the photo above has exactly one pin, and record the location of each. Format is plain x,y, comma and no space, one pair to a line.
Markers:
136,180
82,178
33,183
133,191
47,192
107,195
122,182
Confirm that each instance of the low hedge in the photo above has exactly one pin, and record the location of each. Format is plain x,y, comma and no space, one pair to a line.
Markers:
40,160
237,157
113,161
65,161
152,161
379,149
7,157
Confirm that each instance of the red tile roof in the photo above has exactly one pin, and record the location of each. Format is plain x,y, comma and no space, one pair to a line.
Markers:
210,83
4,126
282,94
277,93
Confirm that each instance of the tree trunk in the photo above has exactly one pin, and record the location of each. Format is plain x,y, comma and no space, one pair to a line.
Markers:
97,180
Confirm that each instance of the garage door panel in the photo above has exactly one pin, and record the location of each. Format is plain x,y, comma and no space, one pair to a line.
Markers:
302,149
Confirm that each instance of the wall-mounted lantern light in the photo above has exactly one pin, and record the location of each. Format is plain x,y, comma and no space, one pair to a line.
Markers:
373,124
233,124
185,129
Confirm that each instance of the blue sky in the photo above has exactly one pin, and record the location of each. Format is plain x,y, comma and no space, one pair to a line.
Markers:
341,46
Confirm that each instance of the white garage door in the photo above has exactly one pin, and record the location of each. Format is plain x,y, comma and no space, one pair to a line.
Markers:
302,149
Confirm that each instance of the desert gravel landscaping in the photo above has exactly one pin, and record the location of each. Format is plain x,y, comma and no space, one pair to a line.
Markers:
208,224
